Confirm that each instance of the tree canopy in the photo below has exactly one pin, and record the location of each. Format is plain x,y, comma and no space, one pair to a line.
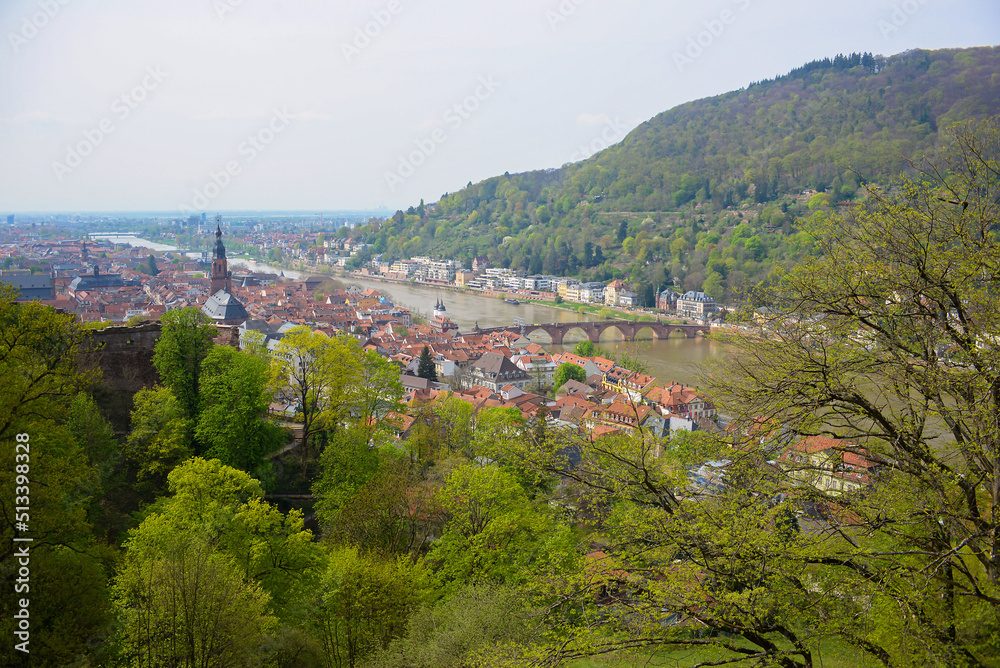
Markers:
566,372
185,340
233,425
425,368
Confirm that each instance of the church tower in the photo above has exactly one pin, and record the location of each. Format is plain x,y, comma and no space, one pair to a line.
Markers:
221,278
222,306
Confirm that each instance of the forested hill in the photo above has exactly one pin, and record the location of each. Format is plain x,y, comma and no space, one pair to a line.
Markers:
678,200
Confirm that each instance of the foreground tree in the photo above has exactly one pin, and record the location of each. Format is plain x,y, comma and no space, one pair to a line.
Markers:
160,439
316,372
184,342
376,391
57,456
39,351
474,627
233,425
207,575
889,341
493,533
183,604
363,603
886,343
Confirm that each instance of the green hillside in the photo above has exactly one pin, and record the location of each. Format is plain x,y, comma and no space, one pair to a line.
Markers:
711,194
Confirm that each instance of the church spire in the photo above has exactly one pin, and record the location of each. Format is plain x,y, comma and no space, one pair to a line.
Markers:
221,276
220,249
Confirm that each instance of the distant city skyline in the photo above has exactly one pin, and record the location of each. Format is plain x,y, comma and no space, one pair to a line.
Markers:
258,106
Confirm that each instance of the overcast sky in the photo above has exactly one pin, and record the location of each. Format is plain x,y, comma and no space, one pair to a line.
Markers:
324,104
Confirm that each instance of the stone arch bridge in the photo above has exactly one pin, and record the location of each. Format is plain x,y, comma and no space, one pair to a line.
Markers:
593,330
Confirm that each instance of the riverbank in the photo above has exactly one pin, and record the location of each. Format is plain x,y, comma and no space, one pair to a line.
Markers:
540,299
677,359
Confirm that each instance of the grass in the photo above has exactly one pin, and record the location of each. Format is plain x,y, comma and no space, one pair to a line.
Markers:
830,653
593,309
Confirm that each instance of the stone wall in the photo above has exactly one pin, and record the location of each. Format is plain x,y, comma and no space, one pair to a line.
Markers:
125,356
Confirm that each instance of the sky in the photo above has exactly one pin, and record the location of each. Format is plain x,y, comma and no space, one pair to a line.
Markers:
223,105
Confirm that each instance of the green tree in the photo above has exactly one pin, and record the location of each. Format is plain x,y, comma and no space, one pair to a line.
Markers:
151,267
45,423
220,509
181,603
161,438
493,533
315,372
714,286
376,391
69,607
39,352
232,424
364,602
454,423
71,613
476,626
185,340
905,369
425,368
111,499
587,349
390,515
568,372
755,247
346,465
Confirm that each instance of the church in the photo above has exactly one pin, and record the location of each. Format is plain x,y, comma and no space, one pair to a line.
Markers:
222,306
441,321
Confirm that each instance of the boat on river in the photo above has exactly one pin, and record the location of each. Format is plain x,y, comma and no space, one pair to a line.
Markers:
512,302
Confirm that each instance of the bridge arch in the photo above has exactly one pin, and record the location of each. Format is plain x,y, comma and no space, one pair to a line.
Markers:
654,331
592,330
622,328
540,329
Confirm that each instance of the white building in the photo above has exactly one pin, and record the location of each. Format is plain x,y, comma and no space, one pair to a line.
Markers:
541,368
694,304
592,292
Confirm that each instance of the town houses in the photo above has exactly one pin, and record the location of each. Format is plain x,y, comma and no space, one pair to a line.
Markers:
102,282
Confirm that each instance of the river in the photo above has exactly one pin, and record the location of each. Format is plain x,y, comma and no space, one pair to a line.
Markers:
132,240
675,359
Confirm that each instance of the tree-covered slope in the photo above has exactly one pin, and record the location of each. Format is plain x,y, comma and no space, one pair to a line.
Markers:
709,194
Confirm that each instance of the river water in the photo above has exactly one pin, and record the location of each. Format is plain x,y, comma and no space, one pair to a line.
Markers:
132,241
675,359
